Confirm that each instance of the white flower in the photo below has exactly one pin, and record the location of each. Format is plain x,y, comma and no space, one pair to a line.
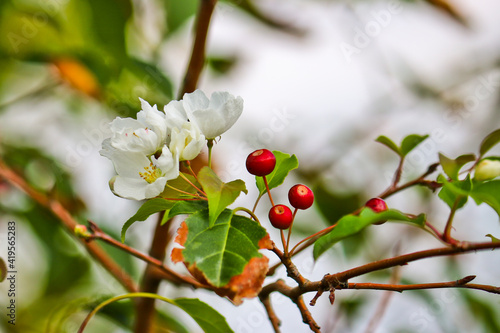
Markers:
186,141
140,176
147,134
213,116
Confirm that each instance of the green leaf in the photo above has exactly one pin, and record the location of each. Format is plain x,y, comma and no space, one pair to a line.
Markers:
284,164
455,190
489,141
3,270
352,224
410,142
219,194
187,207
453,166
389,144
209,320
407,145
149,208
493,238
489,193
221,251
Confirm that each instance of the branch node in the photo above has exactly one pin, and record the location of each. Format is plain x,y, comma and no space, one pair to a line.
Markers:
331,297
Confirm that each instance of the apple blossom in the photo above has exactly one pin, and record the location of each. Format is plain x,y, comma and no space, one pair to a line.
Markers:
140,176
147,134
213,116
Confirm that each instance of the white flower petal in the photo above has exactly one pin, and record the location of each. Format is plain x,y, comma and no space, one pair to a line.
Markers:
168,163
187,142
197,100
175,114
213,116
153,119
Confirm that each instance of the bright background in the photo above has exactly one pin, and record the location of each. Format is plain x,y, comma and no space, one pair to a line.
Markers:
323,83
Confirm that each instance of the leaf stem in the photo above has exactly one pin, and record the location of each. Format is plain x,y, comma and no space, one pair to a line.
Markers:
118,298
447,229
256,202
312,238
248,211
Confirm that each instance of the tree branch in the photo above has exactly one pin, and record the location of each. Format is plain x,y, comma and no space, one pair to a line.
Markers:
461,283
69,222
275,321
169,274
197,60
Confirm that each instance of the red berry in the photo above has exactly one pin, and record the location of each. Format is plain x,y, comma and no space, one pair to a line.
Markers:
261,162
281,217
300,196
377,205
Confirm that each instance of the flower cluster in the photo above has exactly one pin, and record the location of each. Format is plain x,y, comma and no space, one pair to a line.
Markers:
146,151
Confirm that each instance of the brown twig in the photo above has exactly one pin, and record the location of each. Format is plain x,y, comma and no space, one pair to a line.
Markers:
197,60
306,315
400,260
461,283
69,222
339,280
170,275
273,318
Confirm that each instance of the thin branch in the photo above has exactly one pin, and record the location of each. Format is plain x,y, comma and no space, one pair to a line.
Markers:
393,188
403,260
170,275
461,283
291,269
69,222
273,318
197,60
306,315
339,280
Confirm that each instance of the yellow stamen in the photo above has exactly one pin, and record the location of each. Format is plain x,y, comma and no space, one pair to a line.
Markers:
151,173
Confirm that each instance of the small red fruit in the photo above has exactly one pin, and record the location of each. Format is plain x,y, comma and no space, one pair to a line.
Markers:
377,205
300,196
261,162
281,217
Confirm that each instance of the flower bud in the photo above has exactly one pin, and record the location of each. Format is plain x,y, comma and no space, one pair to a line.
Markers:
487,169
82,231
